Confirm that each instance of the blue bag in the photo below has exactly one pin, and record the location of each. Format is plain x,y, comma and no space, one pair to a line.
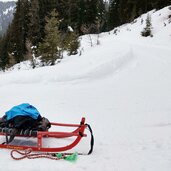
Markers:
24,109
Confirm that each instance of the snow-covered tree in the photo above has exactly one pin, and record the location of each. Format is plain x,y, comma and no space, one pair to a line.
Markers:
147,31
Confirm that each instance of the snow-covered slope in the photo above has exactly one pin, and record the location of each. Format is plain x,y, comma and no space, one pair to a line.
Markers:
122,87
6,14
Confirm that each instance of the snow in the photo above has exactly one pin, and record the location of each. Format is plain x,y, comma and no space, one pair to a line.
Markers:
8,10
122,87
70,29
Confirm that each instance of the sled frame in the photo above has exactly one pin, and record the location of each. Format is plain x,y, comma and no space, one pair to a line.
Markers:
78,133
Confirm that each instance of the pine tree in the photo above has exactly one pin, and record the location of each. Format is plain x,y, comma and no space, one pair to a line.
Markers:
162,3
147,31
34,33
113,14
88,15
169,16
71,42
49,49
18,31
101,16
4,61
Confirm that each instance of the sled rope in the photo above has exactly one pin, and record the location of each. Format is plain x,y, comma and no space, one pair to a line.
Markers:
53,156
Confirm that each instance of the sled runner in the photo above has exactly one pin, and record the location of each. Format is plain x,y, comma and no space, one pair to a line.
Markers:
78,133
39,130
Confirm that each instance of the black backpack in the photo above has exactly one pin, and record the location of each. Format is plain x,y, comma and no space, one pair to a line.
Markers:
23,125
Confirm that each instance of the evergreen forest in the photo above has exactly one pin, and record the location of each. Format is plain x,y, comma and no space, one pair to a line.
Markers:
47,28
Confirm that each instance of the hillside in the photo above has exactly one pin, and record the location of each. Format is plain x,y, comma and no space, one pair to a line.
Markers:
6,15
123,88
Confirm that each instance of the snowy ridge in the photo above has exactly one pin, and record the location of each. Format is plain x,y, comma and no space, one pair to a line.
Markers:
122,87
78,70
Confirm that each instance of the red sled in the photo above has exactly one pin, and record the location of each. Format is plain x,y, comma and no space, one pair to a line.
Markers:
78,134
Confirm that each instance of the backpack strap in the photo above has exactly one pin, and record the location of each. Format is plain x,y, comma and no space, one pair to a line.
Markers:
10,133
92,139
